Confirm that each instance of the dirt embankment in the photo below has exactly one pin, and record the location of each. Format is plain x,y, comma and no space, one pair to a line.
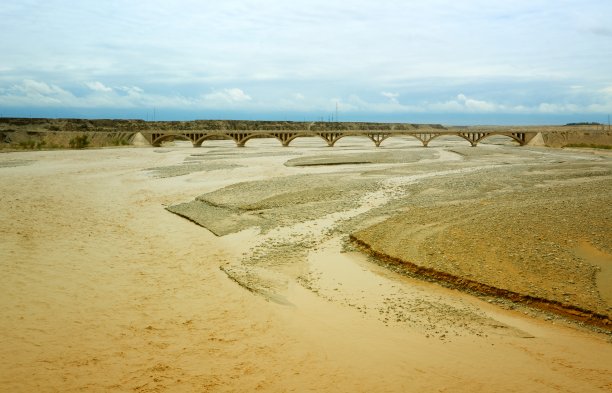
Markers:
36,134
579,138
571,135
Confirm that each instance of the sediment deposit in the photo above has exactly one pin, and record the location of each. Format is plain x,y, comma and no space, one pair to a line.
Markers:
105,289
514,220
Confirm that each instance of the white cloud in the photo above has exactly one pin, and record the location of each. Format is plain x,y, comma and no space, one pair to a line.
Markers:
30,91
546,107
464,104
34,93
477,105
362,48
233,95
98,86
354,38
35,88
134,92
391,96
237,95
467,105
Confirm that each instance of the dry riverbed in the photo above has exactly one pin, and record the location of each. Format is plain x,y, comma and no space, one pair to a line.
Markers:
104,289
522,221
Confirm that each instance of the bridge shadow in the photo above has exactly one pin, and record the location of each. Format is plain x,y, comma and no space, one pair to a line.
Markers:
267,142
218,144
308,142
448,141
400,142
177,142
502,140
352,142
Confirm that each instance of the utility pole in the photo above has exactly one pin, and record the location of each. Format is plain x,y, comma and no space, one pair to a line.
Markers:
337,113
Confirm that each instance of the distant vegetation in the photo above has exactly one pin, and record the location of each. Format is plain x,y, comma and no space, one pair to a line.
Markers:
584,123
31,144
79,142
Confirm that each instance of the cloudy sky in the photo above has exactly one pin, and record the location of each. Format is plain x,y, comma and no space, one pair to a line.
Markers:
440,61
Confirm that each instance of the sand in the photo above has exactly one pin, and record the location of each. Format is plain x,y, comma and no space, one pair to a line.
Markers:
103,289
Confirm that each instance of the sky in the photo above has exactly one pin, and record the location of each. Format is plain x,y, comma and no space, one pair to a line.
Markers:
427,61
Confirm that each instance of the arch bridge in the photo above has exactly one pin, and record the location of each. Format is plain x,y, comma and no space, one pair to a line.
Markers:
197,137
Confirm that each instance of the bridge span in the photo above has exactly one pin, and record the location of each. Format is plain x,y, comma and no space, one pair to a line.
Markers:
285,137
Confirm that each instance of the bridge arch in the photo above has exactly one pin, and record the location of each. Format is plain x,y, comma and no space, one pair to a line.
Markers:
423,139
262,136
344,135
292,137
453,136
215,137
170,137
514,137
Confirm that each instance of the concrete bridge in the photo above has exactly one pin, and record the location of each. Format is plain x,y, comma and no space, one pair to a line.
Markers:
241,137
21,132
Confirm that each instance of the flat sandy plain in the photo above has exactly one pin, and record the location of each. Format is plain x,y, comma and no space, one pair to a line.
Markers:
103,288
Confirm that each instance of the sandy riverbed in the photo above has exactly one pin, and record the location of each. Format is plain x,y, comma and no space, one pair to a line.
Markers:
104,289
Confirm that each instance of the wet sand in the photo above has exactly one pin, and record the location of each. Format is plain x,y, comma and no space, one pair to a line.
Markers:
103,289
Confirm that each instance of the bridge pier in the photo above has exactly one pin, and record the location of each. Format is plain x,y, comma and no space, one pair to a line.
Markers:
330,137
523,138
473,137
285,138
378,138
425,138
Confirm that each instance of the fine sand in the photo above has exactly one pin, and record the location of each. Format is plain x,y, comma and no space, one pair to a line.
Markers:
105,289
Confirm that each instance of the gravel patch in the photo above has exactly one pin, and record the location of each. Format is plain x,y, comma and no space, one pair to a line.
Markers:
515,230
